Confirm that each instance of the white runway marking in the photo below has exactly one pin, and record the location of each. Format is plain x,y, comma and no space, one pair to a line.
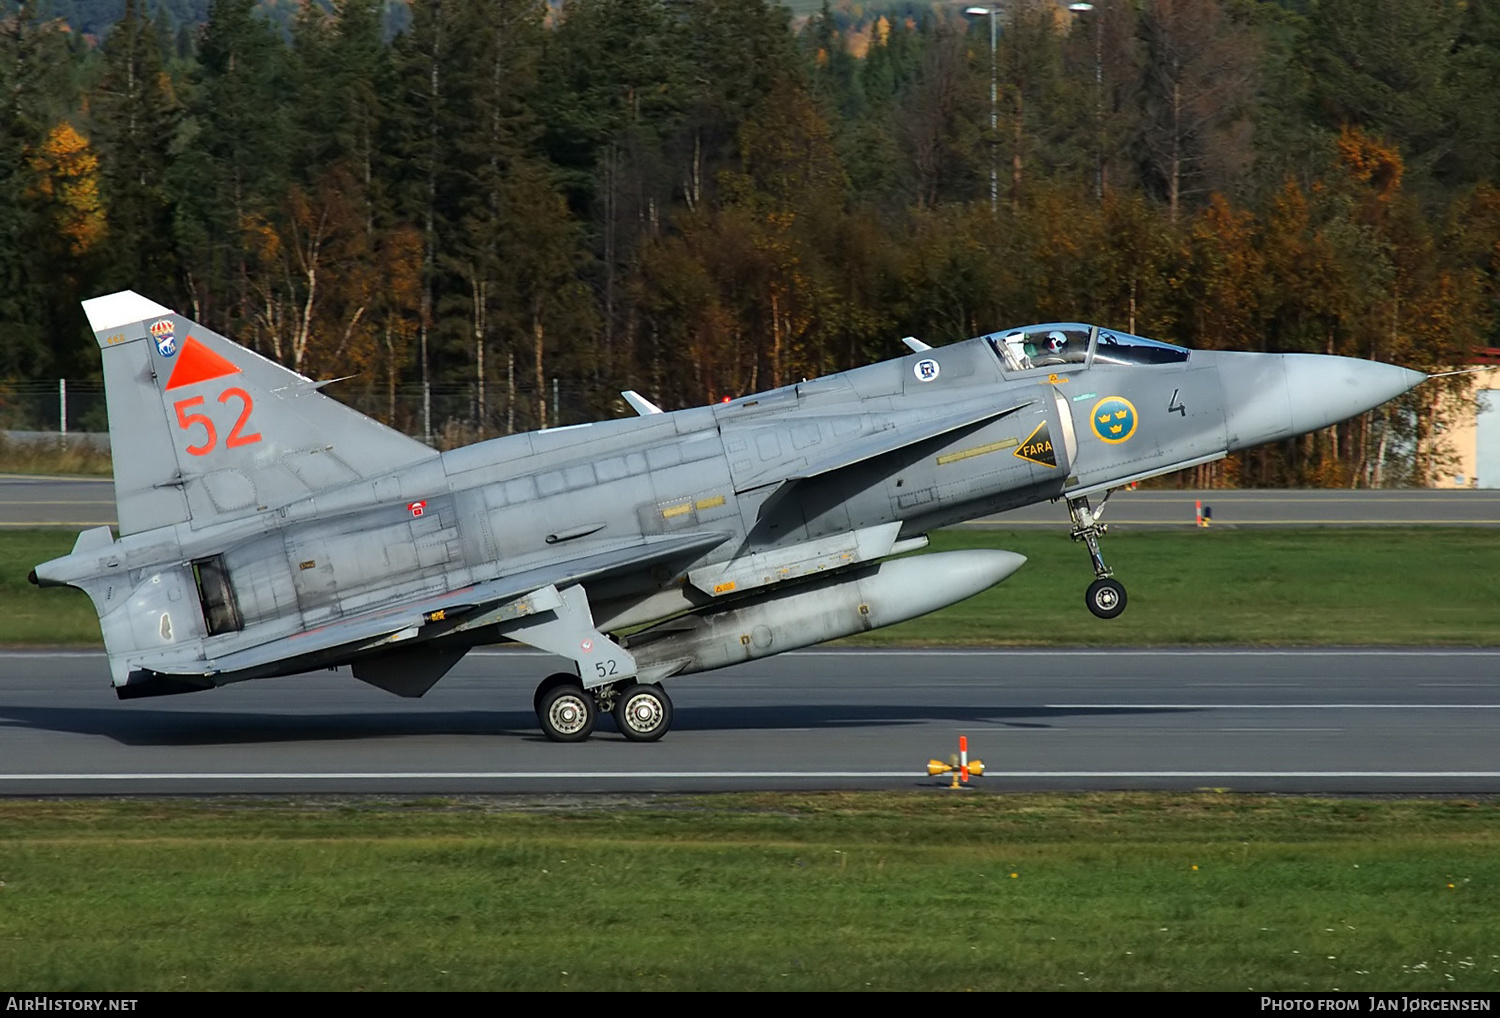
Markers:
1271,706
1188,524
690,775
455,775
1422,652
1117,652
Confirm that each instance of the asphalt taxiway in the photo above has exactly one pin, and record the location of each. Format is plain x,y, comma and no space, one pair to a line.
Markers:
74,503
1292,721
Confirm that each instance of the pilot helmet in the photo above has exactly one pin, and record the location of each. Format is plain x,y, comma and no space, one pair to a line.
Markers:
1056,341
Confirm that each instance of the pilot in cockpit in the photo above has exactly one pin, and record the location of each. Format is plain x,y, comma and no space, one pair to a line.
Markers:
1054,349
1023,351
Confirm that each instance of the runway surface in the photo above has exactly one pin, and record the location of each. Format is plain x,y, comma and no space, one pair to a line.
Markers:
71,502
1314,721
76,503
1295,721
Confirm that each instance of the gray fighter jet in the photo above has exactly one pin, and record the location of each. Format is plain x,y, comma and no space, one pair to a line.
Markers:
266,529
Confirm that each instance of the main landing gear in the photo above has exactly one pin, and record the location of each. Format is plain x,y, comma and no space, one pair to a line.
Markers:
567,712
1106,595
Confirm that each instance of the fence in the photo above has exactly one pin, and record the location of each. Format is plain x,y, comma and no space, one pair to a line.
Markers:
55,406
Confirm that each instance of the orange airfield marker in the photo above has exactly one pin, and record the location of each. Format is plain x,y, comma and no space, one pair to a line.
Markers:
960,766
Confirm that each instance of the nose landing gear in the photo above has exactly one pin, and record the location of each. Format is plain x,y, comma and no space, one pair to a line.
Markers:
1106,595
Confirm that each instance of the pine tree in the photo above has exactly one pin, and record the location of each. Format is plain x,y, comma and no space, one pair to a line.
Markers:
40,281
1388,66
135,117
233,168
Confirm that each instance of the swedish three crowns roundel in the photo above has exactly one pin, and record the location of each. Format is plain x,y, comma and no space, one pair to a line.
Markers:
1113,419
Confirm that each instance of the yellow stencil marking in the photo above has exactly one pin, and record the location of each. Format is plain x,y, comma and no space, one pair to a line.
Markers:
677,510
954,457
710,503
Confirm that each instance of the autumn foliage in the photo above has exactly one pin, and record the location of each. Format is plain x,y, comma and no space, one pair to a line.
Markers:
67,183
503,213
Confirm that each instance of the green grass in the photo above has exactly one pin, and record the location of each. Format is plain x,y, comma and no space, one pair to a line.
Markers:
881,891
74,457
32,616
1416,586
936,890
1419,586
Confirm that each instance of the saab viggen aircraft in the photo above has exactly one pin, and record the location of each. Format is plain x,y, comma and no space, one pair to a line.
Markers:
266,529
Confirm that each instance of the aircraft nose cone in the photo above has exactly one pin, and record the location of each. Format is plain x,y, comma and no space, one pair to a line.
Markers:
1268,397
1324,390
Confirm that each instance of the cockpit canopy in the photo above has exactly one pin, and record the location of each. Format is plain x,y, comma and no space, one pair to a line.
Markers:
1060,344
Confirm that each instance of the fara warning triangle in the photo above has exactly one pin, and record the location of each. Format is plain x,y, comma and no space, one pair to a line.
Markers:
1038,447
197,363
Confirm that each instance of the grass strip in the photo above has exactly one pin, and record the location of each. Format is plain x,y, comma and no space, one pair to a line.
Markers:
1378,586
71,455
1414,586
927,890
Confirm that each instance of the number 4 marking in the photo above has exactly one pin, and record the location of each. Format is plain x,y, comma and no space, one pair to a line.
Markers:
236,438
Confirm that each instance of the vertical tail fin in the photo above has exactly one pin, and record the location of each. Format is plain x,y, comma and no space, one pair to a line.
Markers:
203,430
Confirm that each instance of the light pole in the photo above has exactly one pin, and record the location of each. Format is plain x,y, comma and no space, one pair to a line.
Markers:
993,13
1098,94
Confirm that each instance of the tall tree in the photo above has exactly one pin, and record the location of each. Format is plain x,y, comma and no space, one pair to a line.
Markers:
39,278
941,124
613,98
1388,66
494,75
234,167
135,118
315,280
1199,78
1476,63
417,126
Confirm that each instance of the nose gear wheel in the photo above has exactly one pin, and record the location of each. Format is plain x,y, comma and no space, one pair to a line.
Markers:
1105,597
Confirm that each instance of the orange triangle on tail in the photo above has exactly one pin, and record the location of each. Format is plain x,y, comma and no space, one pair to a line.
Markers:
197,363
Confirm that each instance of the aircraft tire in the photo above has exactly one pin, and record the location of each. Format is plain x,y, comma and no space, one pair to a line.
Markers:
567,713
643,712
546,686
1105,598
